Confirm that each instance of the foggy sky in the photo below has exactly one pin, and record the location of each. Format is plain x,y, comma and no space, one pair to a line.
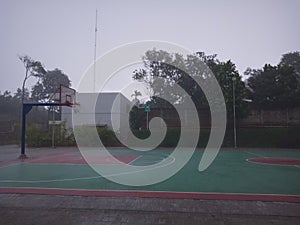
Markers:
60,33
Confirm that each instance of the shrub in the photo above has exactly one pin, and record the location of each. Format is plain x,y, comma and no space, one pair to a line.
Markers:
39,136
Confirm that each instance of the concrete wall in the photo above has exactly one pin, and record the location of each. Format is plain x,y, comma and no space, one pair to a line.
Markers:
256,117
267,117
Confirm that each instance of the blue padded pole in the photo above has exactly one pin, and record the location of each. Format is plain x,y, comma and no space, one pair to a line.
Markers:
26,109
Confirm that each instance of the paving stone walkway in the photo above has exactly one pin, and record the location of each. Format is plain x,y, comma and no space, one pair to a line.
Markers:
28,209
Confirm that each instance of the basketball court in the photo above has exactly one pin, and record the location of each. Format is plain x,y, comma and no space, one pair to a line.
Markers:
240,185
236,174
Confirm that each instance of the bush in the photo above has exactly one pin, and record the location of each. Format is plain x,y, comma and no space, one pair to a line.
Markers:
11,135
86,136
263,137
38,136
108,137
257,137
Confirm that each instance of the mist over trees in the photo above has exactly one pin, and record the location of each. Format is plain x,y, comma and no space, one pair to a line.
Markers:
47,83
268,87
159,64
276,86
32,69
273,86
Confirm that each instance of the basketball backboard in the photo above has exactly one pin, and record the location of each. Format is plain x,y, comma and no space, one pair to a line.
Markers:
67,96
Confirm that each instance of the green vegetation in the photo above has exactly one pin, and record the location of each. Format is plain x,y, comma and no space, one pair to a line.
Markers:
161,74
270,87
254,137
37,136
87,138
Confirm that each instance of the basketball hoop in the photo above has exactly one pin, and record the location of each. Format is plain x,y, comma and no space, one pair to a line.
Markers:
67,96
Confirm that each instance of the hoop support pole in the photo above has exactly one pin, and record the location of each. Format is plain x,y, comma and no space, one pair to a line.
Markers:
26,109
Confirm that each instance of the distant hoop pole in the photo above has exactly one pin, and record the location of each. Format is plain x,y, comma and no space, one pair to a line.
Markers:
234,112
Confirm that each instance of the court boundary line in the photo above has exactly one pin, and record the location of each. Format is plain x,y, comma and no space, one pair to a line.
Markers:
269,164
82,178
10,164
257,155
138,157
262,156
154,194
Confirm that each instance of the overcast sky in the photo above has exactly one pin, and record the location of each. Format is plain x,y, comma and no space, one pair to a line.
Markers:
60,33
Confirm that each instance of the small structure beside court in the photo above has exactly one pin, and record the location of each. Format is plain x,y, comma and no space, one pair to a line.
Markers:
111,108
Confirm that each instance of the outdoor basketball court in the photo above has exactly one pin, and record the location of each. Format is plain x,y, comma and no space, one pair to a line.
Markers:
236,174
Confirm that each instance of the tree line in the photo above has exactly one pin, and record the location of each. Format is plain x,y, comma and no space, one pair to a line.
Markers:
273,86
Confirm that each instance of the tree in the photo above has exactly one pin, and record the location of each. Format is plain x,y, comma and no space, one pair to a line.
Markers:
21,94
135,96
10,105
275,86
32,69
158,64
136,117
7,103
227,76
291,59
49,84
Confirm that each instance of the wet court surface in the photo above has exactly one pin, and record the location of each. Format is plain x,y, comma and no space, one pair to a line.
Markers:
69,207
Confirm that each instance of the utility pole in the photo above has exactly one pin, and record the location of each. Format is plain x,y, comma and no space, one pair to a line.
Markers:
95,52
147,109
234,116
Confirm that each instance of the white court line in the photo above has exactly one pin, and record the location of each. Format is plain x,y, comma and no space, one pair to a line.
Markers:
84,178
47,157
153,191
49,181
13,164
259,155
134,160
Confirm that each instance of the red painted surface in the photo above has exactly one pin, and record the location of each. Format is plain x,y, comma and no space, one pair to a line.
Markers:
78,159
9,163
276,161
153,194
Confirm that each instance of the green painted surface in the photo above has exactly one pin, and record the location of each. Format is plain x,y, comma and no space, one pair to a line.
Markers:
229,173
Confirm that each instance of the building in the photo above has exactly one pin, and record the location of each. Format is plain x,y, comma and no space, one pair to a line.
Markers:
109,109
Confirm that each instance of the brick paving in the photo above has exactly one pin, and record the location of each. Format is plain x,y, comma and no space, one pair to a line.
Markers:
43,209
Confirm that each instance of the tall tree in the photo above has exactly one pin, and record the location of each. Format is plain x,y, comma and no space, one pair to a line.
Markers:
19,94
10,105
275,86
32,69
49,84
135,96
157,65
291,59
228,76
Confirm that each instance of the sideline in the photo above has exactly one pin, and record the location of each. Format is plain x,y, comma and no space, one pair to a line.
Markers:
155,194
